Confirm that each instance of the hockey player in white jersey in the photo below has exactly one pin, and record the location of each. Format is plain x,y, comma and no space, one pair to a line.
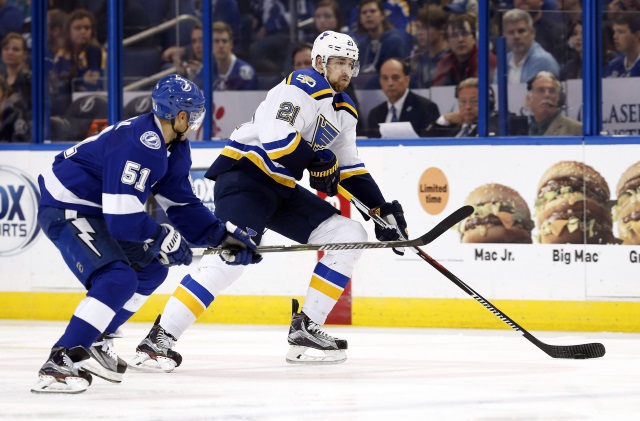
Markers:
92,209
307,123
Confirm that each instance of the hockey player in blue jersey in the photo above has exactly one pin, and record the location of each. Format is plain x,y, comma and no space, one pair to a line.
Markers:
306,122
92,209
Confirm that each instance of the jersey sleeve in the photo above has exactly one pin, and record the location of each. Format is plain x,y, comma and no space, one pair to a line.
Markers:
353,174
174,193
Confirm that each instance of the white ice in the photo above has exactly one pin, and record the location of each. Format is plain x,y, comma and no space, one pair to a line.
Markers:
239,373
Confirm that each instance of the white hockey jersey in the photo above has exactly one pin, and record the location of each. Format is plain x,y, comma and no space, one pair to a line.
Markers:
299,116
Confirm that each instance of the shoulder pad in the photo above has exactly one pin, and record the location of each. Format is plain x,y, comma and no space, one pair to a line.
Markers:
342,102
312,82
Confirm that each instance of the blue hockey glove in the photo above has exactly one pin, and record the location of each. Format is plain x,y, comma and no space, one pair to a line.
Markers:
323,172
393,214
170,247
140,254
241,248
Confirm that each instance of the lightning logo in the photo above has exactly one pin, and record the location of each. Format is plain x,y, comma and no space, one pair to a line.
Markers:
85,231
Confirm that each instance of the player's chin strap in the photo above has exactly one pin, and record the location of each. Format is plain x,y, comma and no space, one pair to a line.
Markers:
178,134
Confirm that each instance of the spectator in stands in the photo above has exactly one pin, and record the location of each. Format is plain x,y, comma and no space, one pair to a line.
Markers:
547,25
461,123
228,71
79,65
16,68
464,121
11,18
301,56
326,17
376,38
56,20
616,6
545,99
461,6
14,120
526,57
571,9
462,61
401,103
626,38
269,50
431,45
573,67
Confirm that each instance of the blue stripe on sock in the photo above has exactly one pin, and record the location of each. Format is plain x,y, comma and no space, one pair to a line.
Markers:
198,290
331,275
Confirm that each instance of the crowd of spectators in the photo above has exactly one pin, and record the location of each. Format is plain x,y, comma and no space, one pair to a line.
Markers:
253,49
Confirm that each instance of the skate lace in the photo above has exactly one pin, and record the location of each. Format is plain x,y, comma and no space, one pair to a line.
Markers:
164,339
315,329
73,366
107,348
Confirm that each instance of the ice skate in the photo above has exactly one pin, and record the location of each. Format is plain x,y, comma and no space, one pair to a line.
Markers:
104,362
308,344
62,373
154,354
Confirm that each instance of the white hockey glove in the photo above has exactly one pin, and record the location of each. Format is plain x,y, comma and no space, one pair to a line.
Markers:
171,247
242,249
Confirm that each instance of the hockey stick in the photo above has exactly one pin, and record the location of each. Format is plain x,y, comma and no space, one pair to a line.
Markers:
425,239
583,351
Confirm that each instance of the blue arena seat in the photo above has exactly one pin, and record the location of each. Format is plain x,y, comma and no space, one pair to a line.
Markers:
140,62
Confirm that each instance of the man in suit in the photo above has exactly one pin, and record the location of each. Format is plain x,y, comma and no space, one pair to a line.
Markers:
401,103
545,99
464,122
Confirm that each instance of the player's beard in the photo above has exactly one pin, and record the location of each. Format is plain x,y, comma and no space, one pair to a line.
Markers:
340,84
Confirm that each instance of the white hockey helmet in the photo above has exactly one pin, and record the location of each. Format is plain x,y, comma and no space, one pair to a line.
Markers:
334,44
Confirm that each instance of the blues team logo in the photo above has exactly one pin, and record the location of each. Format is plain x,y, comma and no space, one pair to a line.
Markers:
323,134
19,196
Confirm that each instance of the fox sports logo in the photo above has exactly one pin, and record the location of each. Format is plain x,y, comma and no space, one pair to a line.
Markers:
19,196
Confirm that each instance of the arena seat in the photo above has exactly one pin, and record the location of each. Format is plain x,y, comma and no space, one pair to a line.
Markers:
76,122
141,62
138,105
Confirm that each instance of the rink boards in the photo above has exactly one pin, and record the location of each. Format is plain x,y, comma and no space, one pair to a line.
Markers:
555,287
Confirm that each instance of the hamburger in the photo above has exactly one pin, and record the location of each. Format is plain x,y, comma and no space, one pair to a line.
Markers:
500,216
572,205
627,208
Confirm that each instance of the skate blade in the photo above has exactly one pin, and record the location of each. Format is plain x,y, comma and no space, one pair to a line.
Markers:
71,385
300,355
144,363
103,373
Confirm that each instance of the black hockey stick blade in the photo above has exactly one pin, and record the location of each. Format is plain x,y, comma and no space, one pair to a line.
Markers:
574,352
434,233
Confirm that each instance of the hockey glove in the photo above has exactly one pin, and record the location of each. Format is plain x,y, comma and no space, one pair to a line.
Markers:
170,247
323,172
393,214
241,248
140,254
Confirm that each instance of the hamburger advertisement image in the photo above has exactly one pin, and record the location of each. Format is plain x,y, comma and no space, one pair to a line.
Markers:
627,208
501,216
572,206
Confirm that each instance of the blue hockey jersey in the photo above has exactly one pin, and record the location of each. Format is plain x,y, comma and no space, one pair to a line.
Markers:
113,173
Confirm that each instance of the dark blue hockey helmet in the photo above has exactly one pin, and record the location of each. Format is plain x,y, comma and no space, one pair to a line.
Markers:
173,94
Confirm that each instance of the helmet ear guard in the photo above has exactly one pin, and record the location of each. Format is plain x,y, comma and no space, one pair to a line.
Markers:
334,44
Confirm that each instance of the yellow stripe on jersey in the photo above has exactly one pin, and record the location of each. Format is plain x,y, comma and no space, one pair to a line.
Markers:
351,173
193,304
289,79
348,107
325,287
320,93
258,162
273,155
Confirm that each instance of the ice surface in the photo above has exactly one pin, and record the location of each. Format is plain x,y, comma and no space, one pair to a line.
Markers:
239,373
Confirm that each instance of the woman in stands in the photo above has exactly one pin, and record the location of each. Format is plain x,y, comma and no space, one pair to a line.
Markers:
79,65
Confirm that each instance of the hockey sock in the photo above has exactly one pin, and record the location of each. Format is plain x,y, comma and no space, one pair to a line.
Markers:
196,292
149,279
111,287
325,289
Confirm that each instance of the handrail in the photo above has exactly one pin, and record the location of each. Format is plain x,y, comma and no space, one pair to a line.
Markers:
153,78
156,29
